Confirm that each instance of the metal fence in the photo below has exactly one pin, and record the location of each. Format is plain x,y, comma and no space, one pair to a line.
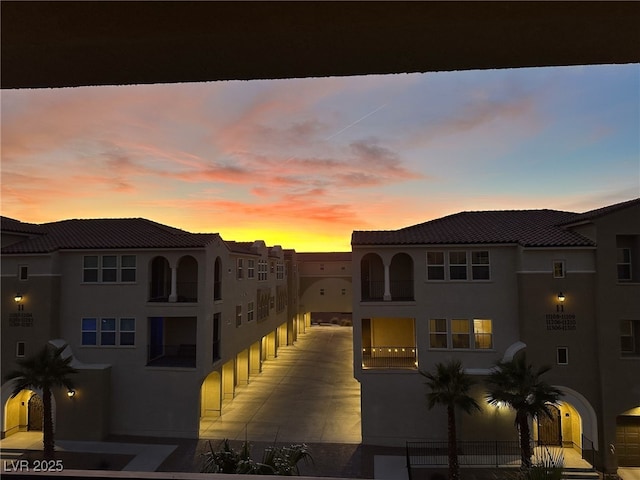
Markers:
485,453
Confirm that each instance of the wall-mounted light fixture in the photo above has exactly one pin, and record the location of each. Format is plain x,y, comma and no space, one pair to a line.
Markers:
18,298
71,393
561,297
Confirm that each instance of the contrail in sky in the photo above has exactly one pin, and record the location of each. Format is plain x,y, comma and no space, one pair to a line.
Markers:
356,122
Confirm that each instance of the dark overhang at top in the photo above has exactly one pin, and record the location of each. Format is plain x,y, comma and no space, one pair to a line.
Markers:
62,44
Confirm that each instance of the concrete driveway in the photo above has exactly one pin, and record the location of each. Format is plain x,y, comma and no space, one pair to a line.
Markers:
307,394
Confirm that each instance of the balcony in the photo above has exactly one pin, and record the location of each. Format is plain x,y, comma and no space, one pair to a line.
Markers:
389,357
183,355
401,290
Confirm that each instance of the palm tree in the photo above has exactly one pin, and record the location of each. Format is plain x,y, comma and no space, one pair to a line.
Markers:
44,371
450,387
517,385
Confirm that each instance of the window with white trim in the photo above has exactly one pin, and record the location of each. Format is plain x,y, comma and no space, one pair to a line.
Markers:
240,268
630,338
250,309
109,268
108,331
435,265
480,265
558,269
456,333
438,333
460,337
23,272
457,265
262,270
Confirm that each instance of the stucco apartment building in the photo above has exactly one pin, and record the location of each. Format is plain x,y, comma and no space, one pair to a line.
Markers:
484,286
162,324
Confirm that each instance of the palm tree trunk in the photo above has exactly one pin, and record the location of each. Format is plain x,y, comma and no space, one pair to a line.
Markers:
525,440
47,425
454,469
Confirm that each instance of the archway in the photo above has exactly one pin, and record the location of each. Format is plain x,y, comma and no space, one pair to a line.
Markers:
16,417
211,395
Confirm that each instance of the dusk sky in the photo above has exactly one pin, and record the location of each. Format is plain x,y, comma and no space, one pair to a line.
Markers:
302,163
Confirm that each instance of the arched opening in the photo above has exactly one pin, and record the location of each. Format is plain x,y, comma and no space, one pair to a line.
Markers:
217,279
401,277
24,412
371,277
211,396
160,284
187,279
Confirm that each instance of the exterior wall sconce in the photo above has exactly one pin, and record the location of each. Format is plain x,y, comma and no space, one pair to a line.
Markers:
561,297
18,298
71,393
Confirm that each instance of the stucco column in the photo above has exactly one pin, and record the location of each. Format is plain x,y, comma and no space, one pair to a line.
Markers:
387,287
173,296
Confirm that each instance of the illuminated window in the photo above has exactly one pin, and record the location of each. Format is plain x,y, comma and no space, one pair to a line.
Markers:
460,333
480,265
483,333
435,266
438,333
558,269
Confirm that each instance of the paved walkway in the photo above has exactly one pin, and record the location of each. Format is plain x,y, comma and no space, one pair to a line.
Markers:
307,394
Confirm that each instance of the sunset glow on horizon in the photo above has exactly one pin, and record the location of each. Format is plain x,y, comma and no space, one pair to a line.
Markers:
302,163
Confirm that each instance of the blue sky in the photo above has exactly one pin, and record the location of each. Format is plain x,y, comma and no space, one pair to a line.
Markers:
304,162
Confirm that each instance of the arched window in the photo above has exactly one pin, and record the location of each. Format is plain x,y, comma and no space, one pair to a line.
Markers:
401,277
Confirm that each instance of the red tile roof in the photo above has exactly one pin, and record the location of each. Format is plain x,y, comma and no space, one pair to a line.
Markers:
111,233
523,227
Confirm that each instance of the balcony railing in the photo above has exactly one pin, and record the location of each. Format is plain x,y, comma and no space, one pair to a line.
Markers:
183,355
389,357
401,290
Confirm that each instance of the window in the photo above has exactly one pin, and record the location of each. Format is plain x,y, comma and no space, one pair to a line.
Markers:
238,315
624,264
435,265
558,269
127,331
89,331
630,337
109,331
23,272
322,291
251,269
562,356
107,270
438,333
90,269
250,308
483,333
456,333
262,270
216,337
239,269
344,291
322,266
460,333
457,265
480,265
128,268
279,271
20,349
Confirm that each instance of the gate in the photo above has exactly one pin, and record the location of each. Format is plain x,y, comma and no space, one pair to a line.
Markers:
35,413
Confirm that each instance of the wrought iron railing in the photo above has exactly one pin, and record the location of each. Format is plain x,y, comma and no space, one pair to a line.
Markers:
389,357
436,453
400,290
